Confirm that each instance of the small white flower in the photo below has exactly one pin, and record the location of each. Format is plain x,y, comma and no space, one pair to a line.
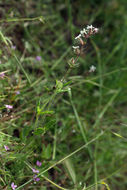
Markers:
90,27
75,47
80,183
77,37
84,31
92,69
81,32
73,131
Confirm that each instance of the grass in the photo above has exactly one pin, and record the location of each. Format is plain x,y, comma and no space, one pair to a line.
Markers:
76,128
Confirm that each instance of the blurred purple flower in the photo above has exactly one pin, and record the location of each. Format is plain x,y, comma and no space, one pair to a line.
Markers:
38,58
36,178
2,75
38,163
6,148
8,106
13,186
13,47
35,171
17,92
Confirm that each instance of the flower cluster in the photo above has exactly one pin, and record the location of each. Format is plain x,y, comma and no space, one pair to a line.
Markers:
87,32
35,178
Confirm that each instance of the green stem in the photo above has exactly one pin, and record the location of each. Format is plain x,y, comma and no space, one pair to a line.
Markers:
59,187
40,18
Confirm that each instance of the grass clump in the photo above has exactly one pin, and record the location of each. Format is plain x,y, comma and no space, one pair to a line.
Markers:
63,100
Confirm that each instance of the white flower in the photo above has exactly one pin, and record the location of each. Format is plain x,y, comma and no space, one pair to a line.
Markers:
93,29
92,69
77,37
75,47
84,31
90,27
87,32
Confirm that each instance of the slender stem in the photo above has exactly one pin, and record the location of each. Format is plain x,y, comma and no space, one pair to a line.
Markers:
40,18
59,187
69,69
54,146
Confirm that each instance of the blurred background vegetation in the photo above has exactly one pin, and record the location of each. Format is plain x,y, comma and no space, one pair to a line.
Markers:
98,101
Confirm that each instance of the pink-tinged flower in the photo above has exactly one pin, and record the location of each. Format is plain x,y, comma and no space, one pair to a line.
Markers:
17,92
35,171
9,106
13,47
13,186
38,58
6,148
2,75
36,178
38,163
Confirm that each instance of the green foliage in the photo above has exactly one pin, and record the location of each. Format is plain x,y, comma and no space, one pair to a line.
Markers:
59,106
46,154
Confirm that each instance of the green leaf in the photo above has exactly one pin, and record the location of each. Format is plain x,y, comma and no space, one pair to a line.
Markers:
50,123
47,151
47,112
40,112
40,131
59,85
67,83
69,165
25,132
117,135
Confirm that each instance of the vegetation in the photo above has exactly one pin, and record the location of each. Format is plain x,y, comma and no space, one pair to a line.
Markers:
63,126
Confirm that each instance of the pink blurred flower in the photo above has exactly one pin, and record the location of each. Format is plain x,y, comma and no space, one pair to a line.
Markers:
13,186
36,178
2,75
38,58
13,47
35,171
6,148
17,92
9,106
38,163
